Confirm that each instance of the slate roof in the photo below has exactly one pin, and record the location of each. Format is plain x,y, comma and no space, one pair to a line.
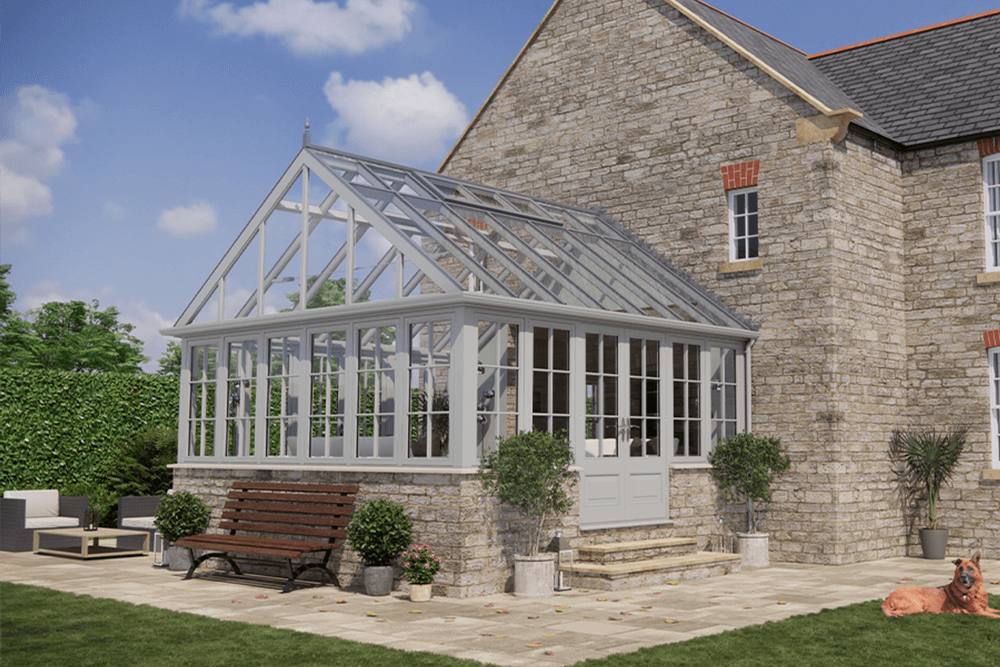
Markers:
928,85
931,85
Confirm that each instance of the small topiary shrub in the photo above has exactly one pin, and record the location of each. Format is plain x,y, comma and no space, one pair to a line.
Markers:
182,514
379,532
745,465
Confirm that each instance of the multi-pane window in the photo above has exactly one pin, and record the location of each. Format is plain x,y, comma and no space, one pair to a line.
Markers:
743,232
991,188
430,363
602,425
994,359
241,397
550,380
282,395
722,368
644,397
327,384
687,399
496,393
201,404
376,408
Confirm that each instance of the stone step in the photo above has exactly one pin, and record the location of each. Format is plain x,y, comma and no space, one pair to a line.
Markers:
650,572
640,550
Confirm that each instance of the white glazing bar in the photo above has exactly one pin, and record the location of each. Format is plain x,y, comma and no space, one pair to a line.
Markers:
399,275
260,266
304,243
351,240
221,291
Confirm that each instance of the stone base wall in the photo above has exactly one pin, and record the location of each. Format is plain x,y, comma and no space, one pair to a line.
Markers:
470,531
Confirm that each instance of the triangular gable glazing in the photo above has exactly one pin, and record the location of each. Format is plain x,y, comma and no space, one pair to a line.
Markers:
345,229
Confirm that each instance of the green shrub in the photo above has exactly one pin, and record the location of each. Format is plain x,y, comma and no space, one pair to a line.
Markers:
745,466
530,472
379,532
139,466
182,514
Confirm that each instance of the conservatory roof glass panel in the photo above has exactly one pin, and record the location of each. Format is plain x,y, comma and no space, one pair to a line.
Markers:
392,232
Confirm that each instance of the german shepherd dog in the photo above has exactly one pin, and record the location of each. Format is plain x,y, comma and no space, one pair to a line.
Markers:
964,595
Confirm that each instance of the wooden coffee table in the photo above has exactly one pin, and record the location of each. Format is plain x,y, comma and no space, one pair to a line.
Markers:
88,550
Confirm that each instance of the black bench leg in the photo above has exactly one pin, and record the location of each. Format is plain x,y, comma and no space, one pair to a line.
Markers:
195,562
302,568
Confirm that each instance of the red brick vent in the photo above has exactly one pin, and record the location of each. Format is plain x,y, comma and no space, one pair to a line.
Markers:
991,338
742,175
989,146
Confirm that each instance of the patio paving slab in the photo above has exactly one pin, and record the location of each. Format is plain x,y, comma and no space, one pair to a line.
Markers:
574,625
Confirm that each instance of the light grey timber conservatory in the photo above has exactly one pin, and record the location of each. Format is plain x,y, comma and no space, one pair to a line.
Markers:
373,317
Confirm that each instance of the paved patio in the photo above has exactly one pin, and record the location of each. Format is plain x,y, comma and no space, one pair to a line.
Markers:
499,629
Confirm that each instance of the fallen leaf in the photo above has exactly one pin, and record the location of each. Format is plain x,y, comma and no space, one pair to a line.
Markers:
746,606
549,653
625,613
628,597
782,602
907,578
317,597
502,611
341,601
647,606
670,620
559,611
532,618
673,582
657,592
714,602
371,613
416,611
488,604
602,599
325,610
613,618
285,603
534,644
551,634
485,634
995,582
261,597
237,601
500,636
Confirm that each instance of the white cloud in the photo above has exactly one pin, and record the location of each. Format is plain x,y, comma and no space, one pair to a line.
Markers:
43,121
311,28
186,222
409,120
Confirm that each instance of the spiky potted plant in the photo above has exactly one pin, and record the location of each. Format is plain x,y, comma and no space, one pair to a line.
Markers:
929,459
531,472
745,466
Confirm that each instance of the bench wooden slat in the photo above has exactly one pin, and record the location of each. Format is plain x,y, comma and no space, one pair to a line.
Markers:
331,510
270,528
344,489
241,542
270,517
307,498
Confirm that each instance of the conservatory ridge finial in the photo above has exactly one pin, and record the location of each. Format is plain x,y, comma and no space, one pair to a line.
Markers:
306,139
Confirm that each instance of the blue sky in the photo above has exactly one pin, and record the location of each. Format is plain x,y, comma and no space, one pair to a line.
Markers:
137,138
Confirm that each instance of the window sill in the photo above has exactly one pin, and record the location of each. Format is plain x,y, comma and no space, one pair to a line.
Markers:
988,277
741,266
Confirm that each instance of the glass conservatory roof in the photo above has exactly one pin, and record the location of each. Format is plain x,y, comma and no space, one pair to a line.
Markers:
346,229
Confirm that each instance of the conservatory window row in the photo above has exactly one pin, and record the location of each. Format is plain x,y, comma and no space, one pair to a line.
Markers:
341,386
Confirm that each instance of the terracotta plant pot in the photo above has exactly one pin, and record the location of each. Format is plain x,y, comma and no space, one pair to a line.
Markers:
420,592
534,576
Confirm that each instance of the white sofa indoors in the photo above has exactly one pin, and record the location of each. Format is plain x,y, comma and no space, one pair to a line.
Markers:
24,512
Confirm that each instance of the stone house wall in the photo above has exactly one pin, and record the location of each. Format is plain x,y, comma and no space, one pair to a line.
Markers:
630,106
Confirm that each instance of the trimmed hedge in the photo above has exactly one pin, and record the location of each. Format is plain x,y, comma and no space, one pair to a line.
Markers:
59,428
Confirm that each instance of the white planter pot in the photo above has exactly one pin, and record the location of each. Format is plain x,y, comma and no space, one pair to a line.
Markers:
420,592
178,559
753,548
378,580
534,576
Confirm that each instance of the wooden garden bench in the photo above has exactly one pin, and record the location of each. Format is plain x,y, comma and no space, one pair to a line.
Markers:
278,520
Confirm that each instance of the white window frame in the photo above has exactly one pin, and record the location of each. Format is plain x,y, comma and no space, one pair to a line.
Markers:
993,358
991,210
735,239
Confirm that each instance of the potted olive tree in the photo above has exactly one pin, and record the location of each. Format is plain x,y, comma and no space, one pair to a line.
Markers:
378,533
745,465
181,515
530,472
928,459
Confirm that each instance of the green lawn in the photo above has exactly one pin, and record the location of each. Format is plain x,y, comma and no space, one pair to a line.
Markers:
40,627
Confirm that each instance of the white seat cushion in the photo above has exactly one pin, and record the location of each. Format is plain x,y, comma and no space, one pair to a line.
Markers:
42,503
51,522
139,522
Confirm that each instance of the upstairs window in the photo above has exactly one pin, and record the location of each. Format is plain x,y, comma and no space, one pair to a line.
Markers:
743,233
991,194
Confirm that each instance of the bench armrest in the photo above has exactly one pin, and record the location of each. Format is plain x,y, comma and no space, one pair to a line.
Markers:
74,506
13,535
131,506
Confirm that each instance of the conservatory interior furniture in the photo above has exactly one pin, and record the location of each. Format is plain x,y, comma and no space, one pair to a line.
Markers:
80,542
24,512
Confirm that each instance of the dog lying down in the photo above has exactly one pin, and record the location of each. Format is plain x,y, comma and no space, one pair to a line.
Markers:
964,595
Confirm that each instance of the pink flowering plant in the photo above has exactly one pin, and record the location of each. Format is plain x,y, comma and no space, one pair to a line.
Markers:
420,564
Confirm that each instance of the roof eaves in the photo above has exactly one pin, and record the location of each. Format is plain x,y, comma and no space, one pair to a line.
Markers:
851,113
